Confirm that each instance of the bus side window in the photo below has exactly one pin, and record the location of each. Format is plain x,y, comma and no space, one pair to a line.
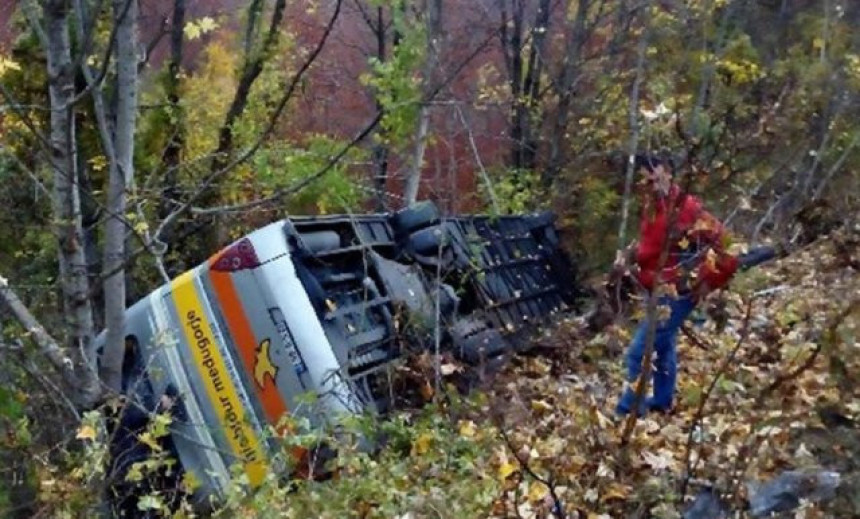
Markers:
132,362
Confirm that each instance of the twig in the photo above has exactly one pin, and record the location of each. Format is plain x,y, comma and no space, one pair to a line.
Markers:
835,168
47,344
634,131
700,411
43,379
212,179
484,176
279,194
40,186
826,339
770,291
558,509
298,186
829,336
694,338
671,236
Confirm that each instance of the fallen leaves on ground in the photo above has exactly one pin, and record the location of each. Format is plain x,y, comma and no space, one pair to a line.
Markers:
558,406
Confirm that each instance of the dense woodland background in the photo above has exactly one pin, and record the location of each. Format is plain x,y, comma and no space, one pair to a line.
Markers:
136,138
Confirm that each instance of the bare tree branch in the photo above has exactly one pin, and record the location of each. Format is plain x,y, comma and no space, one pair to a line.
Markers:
270,126
558,509
298,186
836,167
105,66
828,337
484,176
48,346
633,120
700,410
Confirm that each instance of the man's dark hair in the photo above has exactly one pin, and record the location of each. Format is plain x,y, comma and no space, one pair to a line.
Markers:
651,162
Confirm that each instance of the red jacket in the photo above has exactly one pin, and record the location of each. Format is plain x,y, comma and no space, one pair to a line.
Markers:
697,253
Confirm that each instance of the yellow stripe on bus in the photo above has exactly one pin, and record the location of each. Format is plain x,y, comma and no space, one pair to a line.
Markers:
213,370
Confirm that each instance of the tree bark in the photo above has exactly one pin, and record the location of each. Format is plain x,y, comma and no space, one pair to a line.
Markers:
121,177
175,119
52,350
433,24
524,76
380,150
67,203
566,79
633,118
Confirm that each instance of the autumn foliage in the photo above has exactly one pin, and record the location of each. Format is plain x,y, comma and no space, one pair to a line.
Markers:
250,110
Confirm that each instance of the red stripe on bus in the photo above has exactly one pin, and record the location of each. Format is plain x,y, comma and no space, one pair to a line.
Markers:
247,344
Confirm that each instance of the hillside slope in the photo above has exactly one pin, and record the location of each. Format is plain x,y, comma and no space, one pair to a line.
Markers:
776,380
766,388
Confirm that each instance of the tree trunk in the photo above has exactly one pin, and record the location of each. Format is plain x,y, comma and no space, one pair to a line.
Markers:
175,119
633,118
433,13
120,181
531,85
67,203
380,150
566,79
524,77
413,177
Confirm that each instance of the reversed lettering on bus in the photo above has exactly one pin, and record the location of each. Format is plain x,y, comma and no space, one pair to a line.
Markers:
220,386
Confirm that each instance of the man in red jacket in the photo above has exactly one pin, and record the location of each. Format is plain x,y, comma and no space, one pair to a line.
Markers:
680,257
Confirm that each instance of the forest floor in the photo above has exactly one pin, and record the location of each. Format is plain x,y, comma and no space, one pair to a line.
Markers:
770,389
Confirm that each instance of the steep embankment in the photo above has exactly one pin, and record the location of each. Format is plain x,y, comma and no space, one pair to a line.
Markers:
768,389
764,388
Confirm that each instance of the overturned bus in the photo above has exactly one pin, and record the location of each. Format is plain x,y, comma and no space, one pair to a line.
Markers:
320,305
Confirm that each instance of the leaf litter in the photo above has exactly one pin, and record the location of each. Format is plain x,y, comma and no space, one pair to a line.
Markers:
557,404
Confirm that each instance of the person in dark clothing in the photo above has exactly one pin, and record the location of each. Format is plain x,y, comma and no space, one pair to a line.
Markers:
126,449
697,263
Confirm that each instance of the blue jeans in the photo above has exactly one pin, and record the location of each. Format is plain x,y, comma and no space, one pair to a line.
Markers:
665,368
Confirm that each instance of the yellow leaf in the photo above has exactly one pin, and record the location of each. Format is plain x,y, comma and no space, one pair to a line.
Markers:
98,163
190,481
141,227
577,462
192,31
541,406
86,432
422,444
467,428
603,421
616,491
684,243
135,472
537,491
207,24
147,439
8,64
506,470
